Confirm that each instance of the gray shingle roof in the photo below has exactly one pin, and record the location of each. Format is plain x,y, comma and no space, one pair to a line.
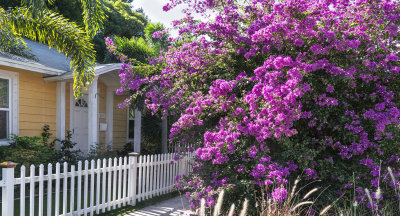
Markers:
44,56
48,57
49,61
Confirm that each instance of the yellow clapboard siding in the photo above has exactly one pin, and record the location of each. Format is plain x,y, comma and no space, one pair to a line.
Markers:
37,85
37,110
31,93
37,125
119,124
37,104
120,134
34,102
37,118
35,132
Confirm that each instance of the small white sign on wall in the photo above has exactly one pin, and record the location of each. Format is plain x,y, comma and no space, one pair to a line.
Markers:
103,126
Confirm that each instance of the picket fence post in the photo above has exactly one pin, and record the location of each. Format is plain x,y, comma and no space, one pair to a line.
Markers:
8,189
181,166
133,156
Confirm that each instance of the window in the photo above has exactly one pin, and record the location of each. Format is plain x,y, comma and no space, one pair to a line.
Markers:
81,103
4,108
8,105
131,124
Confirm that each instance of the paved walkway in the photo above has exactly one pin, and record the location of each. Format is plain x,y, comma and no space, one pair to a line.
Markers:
175,206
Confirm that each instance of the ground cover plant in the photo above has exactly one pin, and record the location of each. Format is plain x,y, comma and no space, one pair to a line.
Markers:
267,90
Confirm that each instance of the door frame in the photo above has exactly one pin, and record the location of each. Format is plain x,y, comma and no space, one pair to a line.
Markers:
72,113
71,109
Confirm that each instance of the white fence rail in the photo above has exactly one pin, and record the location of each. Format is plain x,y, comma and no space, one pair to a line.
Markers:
92,187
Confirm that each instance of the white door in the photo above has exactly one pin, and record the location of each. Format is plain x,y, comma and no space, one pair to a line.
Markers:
80,124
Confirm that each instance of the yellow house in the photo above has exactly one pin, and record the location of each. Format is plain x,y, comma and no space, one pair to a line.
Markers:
35,93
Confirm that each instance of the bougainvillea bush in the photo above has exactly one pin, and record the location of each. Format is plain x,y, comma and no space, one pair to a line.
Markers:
266,90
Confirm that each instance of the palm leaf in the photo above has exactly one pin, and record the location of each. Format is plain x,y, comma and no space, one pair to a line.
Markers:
56,31
10,42
93,16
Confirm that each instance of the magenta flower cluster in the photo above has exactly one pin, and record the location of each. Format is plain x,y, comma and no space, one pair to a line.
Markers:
264,73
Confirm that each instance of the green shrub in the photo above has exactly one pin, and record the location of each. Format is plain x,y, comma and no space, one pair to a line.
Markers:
29,150
37,150
67,154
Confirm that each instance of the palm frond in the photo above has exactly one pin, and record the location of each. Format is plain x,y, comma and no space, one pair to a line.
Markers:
93,16
10,42
56,31
36,6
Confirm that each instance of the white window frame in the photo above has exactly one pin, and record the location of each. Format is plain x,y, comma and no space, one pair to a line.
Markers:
13,103
127,125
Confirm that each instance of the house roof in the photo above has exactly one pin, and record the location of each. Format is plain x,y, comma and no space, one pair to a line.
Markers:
48,61
49,56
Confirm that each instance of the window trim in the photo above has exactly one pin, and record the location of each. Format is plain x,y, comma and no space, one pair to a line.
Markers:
9,108
127,125
13,103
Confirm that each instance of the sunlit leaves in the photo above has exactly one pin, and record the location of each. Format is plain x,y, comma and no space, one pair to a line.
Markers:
57,32
93,15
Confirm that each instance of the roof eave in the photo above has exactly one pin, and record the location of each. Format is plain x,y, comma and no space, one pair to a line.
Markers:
30,66
98,71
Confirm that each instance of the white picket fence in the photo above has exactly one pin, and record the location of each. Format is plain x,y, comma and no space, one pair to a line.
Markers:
92,187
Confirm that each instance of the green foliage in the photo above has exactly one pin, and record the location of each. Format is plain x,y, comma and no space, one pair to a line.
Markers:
123,21
136,48
40,150
126,1
11,43
128,148
70,9
28,150
46,135
93,16
36,6
100,47
67,154
98,153
90,13
10,3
